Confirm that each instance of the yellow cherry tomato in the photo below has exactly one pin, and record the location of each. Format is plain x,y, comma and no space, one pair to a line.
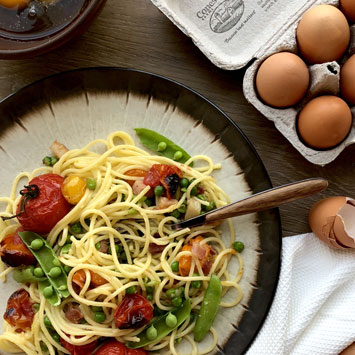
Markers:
14,4
73,189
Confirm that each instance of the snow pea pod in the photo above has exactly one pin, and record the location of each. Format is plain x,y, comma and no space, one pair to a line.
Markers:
152,140
48,261
26,275
209,308
181,314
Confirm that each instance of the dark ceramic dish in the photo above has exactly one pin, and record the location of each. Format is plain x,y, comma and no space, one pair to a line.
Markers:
19,119
23,35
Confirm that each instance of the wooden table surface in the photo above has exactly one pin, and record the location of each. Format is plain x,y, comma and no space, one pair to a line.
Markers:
135,34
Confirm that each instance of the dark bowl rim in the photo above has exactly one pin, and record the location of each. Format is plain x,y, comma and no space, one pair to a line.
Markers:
60,37
229,120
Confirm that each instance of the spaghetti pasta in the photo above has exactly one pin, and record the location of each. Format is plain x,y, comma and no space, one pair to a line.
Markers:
118,229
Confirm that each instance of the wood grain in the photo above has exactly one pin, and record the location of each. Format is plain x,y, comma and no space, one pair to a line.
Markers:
135,34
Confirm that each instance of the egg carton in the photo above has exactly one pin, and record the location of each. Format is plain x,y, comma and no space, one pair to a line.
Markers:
233,33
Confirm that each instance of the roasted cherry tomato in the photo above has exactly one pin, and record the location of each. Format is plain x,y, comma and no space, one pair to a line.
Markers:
79,279
14,252
19,311
203,252
166,175
73,189
79,349
113,347
135,173
43,212
133,312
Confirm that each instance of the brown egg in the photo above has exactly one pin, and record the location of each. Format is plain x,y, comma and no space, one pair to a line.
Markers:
348,8
347,80
282,80
323,34
324,122
332,220
322,215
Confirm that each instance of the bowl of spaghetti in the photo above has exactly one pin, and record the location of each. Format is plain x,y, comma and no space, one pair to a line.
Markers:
100,267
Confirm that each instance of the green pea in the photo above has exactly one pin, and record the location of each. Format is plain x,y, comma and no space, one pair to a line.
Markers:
56,337
62,288
99,317
47,161
238,246
35,307
184,182
176,302
67,269
56,262
131,290
149,202
55,272
152,333
38,272
178,340
196,284
131,211
47,322
143,199
76,228
66,248
178,155
171,320
150,297
159,190
37,244
211,206
183,189
179,291
54,161
91,184
48,292
171,293
175,214
201,197
175,266
44,347
182,208
149,289
96,309
161,146
98,245
194,191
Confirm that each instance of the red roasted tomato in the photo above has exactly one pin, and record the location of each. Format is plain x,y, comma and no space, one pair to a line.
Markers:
166,175
133,312
113,347
14,252
19,311
79,350
43,212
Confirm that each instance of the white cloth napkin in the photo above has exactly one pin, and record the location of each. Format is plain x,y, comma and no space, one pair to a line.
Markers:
313,312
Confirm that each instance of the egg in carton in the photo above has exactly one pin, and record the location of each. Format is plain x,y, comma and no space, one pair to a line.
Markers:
234,33
324,80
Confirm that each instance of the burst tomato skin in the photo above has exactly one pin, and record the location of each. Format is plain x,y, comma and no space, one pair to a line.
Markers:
79,350
133,312
19,311
14,252
136,173
48,208
166,175
113,347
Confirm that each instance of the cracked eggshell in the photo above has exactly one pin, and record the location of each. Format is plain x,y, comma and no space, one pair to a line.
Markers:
322,216
344,224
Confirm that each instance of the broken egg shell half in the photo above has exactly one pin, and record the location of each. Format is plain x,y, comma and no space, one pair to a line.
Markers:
332,220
